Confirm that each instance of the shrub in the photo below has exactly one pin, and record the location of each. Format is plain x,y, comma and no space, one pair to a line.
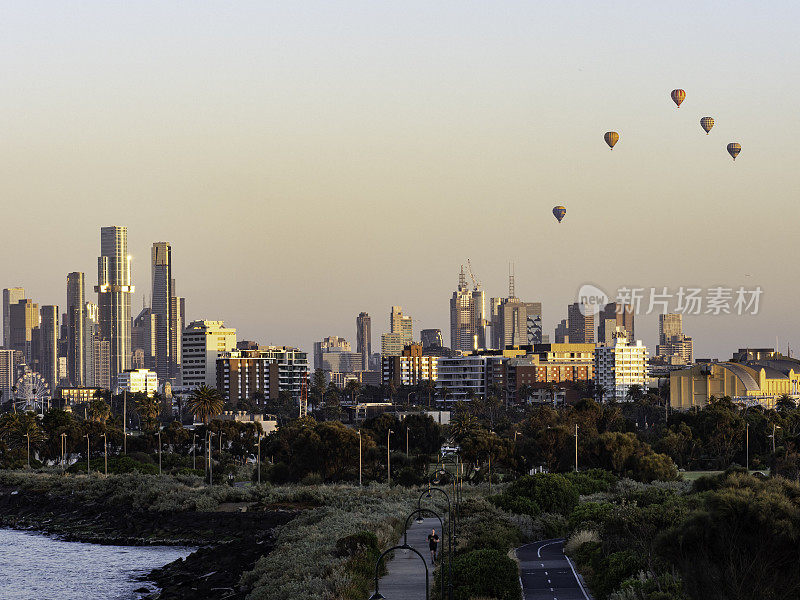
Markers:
592,481
486,573
579,538
552,493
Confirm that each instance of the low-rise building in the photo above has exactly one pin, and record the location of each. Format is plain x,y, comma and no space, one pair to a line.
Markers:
78,395
267,423
266,372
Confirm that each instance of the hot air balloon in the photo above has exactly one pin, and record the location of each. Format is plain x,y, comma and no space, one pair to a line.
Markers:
611,138
707,123
559,212
733,149
678,96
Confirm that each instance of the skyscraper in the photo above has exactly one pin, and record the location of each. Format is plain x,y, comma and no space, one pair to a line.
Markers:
166,308
91,333
514,322
581,326
114,290
431,338
669,324
364,338
673,346
467,316
76,329
402,324
614,315
6,375
10,296
48,346
24,318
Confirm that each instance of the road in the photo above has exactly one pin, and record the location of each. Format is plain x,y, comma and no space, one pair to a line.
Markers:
547,574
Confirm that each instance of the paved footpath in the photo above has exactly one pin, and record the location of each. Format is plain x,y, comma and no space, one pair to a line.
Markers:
405,579
547,574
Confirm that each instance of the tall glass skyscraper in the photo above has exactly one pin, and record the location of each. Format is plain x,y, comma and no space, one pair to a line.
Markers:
114,291
76,329
167,309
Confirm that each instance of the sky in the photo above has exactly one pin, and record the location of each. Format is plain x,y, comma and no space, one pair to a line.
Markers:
311,160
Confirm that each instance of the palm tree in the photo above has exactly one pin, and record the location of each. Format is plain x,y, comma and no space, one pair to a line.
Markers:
205,403
524,392
148,408
353,387
634,392
428,386
99,410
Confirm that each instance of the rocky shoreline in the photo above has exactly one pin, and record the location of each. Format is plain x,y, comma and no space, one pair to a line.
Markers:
229,540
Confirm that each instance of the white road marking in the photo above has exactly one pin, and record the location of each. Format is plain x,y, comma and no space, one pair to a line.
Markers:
539,551
580,585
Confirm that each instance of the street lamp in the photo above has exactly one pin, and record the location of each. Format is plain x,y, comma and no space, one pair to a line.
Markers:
388,459
359,458
28,437
210,460
576,447
194,452
747,446
377,595
258,458
105,451
63,450
88,468
159,450
427,494
774,427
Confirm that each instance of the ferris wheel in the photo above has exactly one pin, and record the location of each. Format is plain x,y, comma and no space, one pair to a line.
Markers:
32,393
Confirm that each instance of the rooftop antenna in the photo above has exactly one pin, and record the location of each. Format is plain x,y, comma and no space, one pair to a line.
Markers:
462,280
511,291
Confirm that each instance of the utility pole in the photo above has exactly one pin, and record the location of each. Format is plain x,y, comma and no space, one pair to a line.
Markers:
747,447
576,447
105,453
159,449
87,454
406,440
28,437
194,452
359,458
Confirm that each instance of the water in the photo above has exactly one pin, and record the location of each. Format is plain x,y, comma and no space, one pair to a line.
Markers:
37,567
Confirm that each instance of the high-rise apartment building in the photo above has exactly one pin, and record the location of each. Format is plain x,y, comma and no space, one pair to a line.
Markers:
144,338
392,344
467,316
619,366
364,338
76,329
114,291
612,316
10,296
402,324
580,323
101,350
48,346
202,343
90,334
270,370
24,318
410,368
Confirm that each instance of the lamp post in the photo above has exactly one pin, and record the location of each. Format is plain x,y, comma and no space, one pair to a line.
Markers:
258,458
774,427
194,452
359,458
406,440
125,422
388,458
105,452
377,595
576,447
28,437
88,468
747,446
63,451
421,512
210,461
159,450
427,494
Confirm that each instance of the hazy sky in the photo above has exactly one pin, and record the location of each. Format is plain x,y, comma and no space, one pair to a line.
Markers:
310,160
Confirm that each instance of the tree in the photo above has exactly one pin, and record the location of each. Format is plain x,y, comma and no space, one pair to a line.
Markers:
428,387
352,387
205,403
148,407
524,393
99,411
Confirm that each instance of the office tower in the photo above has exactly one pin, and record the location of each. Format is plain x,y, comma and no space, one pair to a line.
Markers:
10,296
144,338
514,322
467,316
114,291
48,346
24,318
202,343
392,344
76,329
579,325
102,363
166,307
669,324
431,338
176,336
91,332
673,346
332,343
402,324
611,316
6,375
364,338
562,332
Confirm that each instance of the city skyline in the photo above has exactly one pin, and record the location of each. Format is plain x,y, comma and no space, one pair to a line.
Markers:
476,129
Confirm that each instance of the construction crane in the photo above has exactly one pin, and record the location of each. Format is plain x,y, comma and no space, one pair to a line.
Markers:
475,282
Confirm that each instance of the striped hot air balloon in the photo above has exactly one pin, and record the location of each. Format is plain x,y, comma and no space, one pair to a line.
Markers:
678,96
733,149
707,123
611,138
559,212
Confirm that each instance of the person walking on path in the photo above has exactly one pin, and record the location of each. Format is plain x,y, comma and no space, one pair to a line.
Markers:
433,543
